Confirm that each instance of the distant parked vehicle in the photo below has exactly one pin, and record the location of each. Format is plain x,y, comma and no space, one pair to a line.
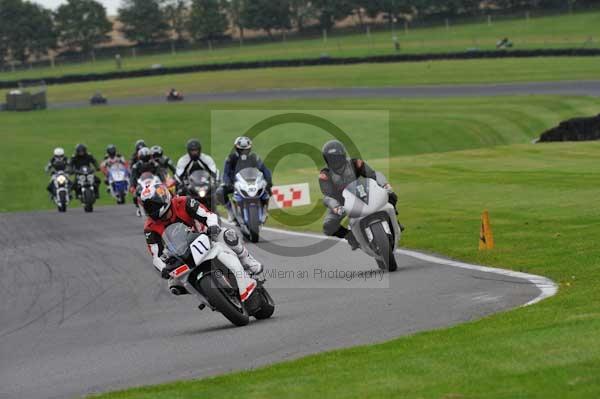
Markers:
28,97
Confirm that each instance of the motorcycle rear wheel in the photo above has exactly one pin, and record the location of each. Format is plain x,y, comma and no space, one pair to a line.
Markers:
218,297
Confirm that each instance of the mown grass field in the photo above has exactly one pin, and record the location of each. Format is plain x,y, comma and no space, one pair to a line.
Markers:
416,127
362,75
564,31
449,159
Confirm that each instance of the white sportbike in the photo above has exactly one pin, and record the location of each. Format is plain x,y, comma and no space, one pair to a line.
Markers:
213,273
372,220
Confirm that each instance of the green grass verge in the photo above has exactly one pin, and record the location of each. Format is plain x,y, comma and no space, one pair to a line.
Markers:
362,75
545,32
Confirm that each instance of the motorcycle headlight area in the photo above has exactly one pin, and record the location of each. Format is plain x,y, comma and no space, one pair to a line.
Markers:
81,179
61,180
90,179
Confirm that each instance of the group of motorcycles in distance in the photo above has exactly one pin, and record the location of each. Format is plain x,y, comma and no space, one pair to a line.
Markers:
247,208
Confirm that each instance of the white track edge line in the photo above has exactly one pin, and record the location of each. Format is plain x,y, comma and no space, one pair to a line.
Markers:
546,286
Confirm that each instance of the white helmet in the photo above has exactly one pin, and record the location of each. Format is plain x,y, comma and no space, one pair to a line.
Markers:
59,152
243,146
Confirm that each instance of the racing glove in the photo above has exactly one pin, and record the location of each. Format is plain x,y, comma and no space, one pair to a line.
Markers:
340,211
213,232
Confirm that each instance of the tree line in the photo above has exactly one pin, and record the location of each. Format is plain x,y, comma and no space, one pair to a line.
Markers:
28,30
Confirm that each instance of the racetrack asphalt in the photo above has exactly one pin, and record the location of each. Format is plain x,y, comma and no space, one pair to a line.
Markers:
84,311
580,88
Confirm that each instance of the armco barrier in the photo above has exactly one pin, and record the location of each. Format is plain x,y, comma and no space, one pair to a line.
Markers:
468,55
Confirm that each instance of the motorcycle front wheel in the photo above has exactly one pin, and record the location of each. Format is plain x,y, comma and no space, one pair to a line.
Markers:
253,224
225,299
268,308
62,202
385,249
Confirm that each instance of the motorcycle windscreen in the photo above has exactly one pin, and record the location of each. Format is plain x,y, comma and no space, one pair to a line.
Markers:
176,239
250,174
118,172
364,197
200,179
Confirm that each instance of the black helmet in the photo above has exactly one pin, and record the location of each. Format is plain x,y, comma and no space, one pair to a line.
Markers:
194,148
335,155
243,145
156,151
139,144
80,149
111,150
156,200
144,154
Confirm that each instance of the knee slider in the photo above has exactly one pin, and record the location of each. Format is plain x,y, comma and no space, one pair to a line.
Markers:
231,238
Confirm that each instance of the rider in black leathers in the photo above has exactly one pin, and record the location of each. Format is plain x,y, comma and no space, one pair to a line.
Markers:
144,164
80,159
138,146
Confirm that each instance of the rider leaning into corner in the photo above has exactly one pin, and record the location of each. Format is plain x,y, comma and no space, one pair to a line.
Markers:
240,158
58,163
83,158
341,170
194,160
163,210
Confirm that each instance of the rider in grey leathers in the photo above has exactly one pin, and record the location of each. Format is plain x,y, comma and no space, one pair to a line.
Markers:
341,170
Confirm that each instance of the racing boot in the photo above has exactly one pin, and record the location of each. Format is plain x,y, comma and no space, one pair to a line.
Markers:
251,265
346,234
352,241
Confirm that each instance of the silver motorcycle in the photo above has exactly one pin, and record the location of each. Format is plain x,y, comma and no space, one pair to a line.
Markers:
61,189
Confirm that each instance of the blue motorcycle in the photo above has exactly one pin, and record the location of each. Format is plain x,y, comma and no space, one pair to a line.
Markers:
118,182
250,202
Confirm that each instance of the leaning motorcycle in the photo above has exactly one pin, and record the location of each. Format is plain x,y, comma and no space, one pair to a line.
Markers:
200,187
118,181
86,178
373,221
249,202
213,273
61,189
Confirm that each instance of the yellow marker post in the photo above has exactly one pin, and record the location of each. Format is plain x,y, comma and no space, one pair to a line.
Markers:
486,237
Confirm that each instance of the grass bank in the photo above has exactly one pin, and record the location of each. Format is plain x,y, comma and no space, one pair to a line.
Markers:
562,31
